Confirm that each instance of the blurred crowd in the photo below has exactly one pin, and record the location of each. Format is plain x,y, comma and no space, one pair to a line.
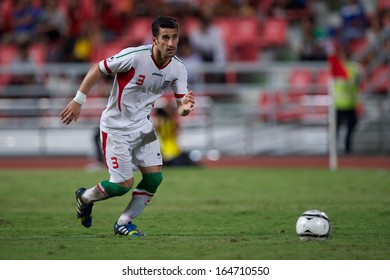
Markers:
33,32
72,30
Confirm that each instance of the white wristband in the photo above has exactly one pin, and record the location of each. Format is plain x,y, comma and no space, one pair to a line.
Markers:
80,97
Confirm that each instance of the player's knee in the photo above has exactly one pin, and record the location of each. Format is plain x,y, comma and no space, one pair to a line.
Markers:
150,181
114,189
127,184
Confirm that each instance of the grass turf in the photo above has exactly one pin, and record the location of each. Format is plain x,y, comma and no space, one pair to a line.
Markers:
199,214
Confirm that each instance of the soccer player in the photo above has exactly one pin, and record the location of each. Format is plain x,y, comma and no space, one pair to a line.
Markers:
142,75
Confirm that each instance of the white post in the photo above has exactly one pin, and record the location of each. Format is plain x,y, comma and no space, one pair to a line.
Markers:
332,127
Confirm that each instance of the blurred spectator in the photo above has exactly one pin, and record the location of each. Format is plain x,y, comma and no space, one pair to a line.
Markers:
311,48
374,28
5,19
24,21
354,21
385,18
167,128
346,75
25,72
109,21
190,58
76,18
84,43
53,21
277,9
23,66
244,8
206,39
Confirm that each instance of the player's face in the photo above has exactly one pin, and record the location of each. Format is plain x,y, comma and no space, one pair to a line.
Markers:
166,42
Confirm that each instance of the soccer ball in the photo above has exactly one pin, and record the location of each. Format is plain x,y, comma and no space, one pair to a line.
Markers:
313,225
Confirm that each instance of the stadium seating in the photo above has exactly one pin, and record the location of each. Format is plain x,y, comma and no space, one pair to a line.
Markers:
138,32
383,4
357,45
321,81
8,51
107,50
300,82
274,106
273,33
379,79
240,35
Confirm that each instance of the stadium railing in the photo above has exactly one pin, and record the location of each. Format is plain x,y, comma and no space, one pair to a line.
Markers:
261,112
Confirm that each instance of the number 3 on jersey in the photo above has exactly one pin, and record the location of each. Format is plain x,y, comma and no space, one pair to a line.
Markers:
115,164
140,81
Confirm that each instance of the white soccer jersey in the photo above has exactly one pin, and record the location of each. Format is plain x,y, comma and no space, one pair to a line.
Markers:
137,85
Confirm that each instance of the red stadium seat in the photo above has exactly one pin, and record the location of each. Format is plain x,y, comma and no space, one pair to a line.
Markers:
38,51
357,45
379,79
243,46
274,105
107,50
383,5
240,35
273,33
188,25
7,52
139,31
321,81
300,82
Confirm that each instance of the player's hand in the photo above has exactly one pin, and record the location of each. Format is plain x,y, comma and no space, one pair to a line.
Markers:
71,112
188,103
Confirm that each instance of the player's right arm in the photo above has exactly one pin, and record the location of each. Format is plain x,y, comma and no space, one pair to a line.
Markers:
73,109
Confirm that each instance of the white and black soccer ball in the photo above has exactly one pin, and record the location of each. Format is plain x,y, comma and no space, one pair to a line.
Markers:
313,225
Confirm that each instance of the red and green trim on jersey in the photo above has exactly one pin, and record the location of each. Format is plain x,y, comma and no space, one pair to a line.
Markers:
123,79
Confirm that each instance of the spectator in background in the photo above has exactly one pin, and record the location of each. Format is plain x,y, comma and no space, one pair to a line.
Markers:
191,59
167,128
23,66
5,20
311,48
109,21
354,21
53,21
24,21
24,72
83,44
346,75
76,17
206,40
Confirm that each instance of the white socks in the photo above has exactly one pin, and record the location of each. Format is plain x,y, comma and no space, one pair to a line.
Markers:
94,194
140,199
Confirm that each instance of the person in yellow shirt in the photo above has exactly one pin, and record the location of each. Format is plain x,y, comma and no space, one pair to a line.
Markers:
167,128
346,97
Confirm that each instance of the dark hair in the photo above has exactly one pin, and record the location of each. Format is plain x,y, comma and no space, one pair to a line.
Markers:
163,22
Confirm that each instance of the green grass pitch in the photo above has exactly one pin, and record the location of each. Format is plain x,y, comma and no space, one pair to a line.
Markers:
199,214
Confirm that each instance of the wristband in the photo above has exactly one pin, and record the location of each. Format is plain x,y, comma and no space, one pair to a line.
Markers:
80,97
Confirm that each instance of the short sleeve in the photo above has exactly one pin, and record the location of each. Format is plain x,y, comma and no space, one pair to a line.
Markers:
121,62
180,85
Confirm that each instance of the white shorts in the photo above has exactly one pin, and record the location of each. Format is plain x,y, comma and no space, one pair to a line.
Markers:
122,152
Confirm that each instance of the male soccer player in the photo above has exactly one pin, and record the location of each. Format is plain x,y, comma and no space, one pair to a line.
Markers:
142,75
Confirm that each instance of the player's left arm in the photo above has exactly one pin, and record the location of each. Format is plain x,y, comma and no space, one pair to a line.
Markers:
186,105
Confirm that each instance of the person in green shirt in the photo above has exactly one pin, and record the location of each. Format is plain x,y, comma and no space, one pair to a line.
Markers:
346,98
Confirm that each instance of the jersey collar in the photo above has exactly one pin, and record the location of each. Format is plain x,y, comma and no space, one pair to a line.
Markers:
154,61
